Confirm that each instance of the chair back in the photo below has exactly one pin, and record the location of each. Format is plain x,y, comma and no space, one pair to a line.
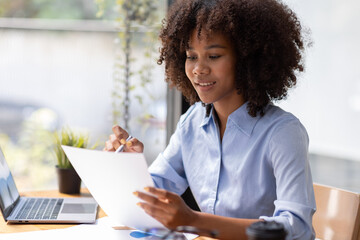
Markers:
337,216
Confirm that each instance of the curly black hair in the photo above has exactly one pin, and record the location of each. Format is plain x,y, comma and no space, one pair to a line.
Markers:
267,37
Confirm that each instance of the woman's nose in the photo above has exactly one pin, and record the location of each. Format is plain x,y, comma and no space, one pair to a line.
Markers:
201,68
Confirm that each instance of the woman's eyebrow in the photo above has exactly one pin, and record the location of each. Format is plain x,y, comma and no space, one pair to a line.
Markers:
215,46
207,47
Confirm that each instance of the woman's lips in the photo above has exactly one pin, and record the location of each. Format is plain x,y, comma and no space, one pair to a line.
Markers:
205,84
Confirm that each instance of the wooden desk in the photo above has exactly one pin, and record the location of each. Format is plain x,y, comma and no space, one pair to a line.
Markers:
14,228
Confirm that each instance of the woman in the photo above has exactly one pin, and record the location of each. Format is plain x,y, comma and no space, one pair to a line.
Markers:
244,159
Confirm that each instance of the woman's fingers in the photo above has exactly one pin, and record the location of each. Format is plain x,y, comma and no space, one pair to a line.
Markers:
120,137
167,207
114,139
152,200
157,208
115,142
119,132
134,145
161,193
109,146
112,144
155,212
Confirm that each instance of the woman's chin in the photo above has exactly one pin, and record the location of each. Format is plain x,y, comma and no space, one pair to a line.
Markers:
206,100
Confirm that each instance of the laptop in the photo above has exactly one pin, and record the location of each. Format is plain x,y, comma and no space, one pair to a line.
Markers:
17,209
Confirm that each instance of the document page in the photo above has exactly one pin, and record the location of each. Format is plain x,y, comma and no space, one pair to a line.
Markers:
102,229
111,179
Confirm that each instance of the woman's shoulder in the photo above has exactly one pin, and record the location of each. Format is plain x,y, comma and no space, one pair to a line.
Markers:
283,122
275,114
278,120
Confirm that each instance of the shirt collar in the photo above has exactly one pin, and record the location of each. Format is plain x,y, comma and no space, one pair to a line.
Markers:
240,118
208,115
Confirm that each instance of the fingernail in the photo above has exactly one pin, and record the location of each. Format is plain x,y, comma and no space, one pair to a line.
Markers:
129,144
122,141
136,193
147,189
139,204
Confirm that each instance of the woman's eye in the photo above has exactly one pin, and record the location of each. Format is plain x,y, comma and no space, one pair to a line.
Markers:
214,56
191,57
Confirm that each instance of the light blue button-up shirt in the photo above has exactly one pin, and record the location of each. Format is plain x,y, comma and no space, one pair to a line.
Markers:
260,169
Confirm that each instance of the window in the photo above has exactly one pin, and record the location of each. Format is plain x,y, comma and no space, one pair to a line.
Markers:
327,97
57,69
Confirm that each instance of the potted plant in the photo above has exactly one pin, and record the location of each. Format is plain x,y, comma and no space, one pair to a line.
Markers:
68,179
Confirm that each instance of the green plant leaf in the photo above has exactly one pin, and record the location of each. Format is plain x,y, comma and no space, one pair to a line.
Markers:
67,137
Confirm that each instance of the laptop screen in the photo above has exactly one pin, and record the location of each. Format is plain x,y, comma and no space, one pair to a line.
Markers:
8,191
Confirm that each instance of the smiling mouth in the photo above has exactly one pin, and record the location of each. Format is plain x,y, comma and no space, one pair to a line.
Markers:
205,84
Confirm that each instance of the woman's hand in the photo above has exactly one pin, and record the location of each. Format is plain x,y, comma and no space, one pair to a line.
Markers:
166,207
119,137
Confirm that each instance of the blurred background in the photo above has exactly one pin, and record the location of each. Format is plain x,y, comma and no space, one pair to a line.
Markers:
62,62
327,97
62,65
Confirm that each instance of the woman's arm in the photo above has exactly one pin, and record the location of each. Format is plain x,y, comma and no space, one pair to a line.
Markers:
295,203
170,210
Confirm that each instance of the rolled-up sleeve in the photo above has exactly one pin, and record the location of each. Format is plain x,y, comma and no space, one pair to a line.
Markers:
295,204
167,170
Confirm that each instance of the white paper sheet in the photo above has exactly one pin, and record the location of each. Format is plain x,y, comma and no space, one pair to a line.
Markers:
83,231
111,179
102,229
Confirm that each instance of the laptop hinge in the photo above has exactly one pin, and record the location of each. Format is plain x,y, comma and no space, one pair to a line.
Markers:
7,212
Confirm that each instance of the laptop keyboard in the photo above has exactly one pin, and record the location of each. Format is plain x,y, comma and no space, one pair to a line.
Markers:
40,208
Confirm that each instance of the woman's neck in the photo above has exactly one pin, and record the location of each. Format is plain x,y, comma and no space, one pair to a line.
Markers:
224,110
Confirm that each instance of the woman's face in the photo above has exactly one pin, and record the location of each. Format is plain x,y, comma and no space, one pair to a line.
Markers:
210,66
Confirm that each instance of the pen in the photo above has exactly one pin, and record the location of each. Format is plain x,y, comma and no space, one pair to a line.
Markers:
121,148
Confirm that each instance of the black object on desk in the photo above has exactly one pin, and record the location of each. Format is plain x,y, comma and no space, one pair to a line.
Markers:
266,231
